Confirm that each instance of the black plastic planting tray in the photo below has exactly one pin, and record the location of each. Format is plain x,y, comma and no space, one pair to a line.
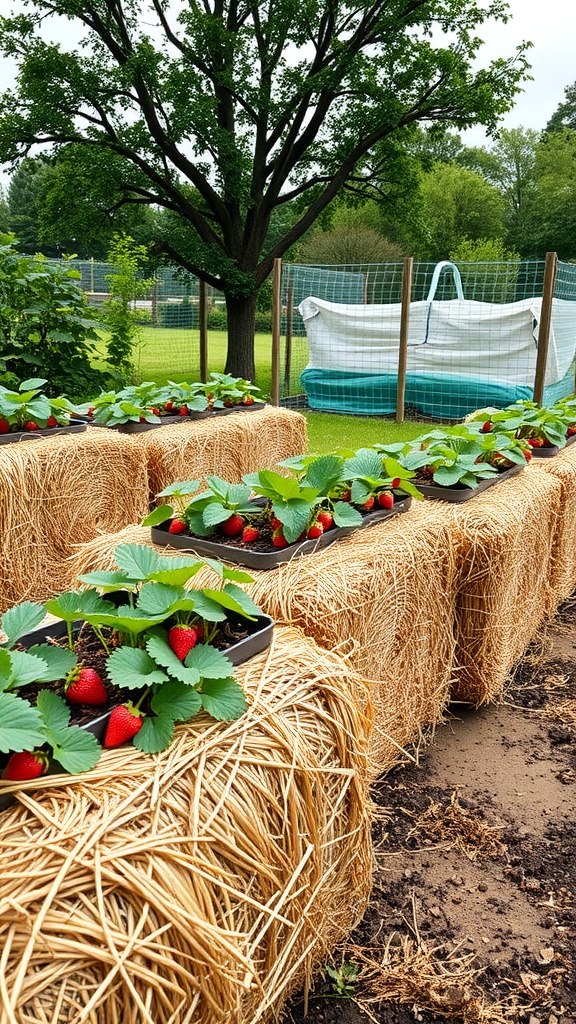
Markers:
269,559
457,493
545,453
139,428
30,435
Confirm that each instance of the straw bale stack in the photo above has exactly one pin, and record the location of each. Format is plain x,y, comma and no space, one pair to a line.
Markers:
503,540
202,884
57,492
228,446
562,573
384,597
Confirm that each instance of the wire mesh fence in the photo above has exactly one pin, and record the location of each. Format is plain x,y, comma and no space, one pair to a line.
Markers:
472,338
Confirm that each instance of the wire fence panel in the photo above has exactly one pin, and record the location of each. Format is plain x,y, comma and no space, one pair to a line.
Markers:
472,339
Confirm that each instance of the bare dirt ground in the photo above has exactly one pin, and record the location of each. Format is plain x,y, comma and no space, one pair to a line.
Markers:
473,911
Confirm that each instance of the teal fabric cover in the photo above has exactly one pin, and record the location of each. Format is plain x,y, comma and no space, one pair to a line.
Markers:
441,396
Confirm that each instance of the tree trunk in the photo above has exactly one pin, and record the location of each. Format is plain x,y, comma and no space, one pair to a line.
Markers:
240,355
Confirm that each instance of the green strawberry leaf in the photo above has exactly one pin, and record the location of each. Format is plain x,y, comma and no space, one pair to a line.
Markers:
24,668
21,725
20,620
294,517
346,515
196,525
366,463
159,598
115,580
209,662
133,668
180,488
155,735
76,604
175,572
238,575
138,560
208,609
243,600
54,711
126,619
176,700
228,599
158,515
324,473
76,749
59,661
214,514
162,653
223,699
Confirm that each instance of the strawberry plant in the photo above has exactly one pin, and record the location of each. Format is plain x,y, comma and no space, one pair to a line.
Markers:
524,420
30,409
460,456
161,645
224,391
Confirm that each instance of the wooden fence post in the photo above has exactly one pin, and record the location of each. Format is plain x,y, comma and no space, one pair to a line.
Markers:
545,325
203,326
276,309
403,341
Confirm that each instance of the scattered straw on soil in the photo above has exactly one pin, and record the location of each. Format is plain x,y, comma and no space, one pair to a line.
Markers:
227,446
427,978
503,541
58,492
452,826
202,884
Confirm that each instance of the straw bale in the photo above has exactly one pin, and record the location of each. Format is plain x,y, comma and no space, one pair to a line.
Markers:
562,574
228,446
58,492
387,595
384,597
503,542
201,885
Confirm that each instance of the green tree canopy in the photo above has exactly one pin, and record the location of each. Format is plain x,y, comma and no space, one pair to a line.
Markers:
459,204
227,110
565,114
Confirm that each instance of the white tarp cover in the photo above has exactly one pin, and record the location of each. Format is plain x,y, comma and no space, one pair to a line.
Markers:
460,336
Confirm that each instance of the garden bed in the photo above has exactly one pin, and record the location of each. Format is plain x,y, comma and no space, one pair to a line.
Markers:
31,435
261,554
457,493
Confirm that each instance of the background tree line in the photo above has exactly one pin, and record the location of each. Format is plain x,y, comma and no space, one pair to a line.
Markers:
513,199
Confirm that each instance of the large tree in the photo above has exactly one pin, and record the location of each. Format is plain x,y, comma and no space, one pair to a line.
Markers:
226,110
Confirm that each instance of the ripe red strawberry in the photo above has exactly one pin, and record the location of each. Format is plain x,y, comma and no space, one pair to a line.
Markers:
184,410
275,523
234,525
314,531
326,518
169,406
569,433
85,686
345,496
31,425
5,427
396,481
228,404
30,764
369,503
182,639
249,534
124,722
279,540
536,442
527,452
156,411
247,400
177,525
386,499
486,427
142,419
51,421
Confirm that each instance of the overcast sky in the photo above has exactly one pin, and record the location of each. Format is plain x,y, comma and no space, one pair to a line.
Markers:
549,25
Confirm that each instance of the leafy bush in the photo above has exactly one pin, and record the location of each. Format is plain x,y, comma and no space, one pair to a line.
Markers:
46,326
